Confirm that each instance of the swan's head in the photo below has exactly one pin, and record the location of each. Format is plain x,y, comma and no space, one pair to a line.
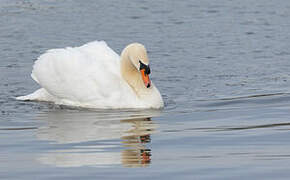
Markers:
137,54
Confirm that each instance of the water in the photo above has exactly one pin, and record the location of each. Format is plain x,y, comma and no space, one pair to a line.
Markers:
222,68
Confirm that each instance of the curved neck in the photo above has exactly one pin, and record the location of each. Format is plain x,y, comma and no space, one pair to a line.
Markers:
131,75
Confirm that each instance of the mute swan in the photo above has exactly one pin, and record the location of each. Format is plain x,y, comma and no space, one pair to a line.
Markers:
94,76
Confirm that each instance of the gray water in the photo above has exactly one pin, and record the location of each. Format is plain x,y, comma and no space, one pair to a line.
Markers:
222,68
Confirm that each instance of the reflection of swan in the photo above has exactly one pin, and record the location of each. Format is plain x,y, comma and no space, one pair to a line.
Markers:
136,138
94,76
90,141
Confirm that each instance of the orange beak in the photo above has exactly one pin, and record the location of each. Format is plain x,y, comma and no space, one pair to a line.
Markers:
145,78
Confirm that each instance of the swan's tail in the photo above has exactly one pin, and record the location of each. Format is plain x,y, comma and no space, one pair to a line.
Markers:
38,95
24,98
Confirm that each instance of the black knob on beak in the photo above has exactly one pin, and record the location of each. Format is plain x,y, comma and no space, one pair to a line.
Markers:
145,67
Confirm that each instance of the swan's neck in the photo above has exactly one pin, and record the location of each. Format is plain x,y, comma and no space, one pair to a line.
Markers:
131,75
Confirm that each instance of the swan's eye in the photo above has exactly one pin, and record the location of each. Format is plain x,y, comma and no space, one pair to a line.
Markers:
144,66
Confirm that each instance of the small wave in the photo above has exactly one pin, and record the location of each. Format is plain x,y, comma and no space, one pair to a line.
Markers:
17,128
251,99
247,97
233,128
251,127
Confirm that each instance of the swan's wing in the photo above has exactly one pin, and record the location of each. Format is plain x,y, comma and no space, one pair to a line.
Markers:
82,74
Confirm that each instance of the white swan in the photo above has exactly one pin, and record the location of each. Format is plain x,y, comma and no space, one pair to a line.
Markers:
94,76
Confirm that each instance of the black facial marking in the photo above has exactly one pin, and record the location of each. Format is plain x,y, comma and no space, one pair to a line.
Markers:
146,67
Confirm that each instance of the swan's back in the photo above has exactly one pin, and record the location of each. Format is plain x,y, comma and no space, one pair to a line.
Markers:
88,74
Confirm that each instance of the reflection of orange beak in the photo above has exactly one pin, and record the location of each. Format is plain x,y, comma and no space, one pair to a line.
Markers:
145,78
146,158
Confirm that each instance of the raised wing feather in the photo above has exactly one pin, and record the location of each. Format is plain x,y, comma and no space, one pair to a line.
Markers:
83,74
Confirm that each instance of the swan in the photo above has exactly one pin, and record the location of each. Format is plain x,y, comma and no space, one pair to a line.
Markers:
94,76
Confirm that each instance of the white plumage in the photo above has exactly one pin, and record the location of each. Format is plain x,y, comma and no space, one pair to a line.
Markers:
88,76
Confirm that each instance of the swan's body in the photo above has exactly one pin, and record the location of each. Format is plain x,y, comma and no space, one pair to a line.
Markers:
94,76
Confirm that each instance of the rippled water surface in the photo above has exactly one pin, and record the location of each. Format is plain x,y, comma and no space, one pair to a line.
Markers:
223,69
